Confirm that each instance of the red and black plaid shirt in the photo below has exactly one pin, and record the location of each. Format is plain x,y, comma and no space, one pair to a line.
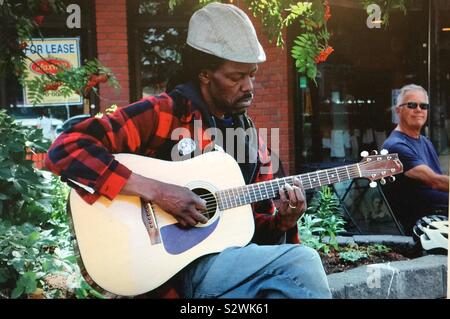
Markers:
84,153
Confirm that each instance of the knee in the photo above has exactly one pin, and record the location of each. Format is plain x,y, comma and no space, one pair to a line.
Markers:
311,272
307,255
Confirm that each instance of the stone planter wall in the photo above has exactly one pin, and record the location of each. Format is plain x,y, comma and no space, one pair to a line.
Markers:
424,277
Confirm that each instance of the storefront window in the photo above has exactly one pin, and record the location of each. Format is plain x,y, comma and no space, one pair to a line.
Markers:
161,8
53,27
350,109
160,57
156,38
440,80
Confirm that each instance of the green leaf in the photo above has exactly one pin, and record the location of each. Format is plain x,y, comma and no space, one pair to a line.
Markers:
33,237
29,282
311,73
17,292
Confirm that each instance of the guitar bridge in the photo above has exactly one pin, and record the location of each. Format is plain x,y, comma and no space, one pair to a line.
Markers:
150,222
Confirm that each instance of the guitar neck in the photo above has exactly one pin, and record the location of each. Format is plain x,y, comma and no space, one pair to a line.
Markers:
249,194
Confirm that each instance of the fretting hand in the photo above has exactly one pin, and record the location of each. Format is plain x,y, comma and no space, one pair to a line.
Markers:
293,205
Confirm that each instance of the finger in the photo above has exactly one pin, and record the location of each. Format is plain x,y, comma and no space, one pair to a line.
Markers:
298,189
297,182
283,195
181,221
199,217
189,220
200,203
298,195
301,200
291,194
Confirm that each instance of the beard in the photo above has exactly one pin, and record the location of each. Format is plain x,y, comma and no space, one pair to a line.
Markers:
234,108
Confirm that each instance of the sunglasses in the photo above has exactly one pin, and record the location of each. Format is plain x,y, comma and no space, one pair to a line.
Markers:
413,105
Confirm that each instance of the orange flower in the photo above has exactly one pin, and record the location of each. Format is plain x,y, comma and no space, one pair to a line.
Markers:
323,55
102,78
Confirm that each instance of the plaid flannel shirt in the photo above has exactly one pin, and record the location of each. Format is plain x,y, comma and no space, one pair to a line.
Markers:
84,153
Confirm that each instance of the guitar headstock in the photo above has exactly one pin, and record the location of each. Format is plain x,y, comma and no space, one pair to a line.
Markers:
380,166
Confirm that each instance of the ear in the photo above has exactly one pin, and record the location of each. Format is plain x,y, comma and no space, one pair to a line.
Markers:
204,76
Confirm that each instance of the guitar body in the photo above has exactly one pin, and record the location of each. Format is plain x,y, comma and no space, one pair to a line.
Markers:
128,250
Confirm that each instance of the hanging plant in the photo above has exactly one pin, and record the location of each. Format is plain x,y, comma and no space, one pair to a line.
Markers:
20,21
82,80
311,45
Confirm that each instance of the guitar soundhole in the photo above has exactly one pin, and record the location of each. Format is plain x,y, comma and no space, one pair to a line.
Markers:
211,201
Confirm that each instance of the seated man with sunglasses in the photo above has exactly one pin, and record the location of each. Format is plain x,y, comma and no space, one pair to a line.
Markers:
422,189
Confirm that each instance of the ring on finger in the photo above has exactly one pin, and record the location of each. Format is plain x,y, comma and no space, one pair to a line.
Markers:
292,206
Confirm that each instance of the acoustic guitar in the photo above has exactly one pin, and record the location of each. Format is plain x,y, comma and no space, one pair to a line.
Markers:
129,247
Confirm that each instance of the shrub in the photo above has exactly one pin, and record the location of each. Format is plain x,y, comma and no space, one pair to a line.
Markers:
24,191
37,259
39,263
322,219
28,254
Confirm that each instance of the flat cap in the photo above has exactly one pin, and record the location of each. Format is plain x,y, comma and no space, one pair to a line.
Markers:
225,31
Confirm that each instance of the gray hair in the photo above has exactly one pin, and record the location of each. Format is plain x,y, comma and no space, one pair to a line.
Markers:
408,88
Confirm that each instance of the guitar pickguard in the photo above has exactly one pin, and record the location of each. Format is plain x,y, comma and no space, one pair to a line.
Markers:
177,240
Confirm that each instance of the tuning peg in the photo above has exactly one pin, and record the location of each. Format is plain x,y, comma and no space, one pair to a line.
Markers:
373,184
382,181
364,154
392,179
384,152
374,152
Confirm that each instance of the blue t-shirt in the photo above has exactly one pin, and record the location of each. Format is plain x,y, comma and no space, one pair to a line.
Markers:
411,198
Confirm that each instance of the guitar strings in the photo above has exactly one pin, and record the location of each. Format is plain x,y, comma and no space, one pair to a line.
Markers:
211,196
352,170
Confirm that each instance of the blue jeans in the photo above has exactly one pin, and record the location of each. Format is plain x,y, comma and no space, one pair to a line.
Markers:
279,271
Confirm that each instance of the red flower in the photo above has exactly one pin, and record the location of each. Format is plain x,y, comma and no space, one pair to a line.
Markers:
327,14
323,55
38,20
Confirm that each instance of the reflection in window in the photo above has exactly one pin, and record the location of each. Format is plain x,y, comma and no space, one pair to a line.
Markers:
161,7
350,109
160,57
157,37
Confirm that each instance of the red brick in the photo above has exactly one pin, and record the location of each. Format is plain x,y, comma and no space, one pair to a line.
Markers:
112,45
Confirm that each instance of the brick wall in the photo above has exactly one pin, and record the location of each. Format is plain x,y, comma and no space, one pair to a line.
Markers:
274,99
112,47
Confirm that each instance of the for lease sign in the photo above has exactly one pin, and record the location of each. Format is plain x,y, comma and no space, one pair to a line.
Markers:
49,56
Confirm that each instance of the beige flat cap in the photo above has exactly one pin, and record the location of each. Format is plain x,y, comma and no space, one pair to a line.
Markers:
225,31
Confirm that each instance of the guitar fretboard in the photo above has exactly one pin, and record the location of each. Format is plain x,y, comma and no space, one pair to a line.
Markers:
248,194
